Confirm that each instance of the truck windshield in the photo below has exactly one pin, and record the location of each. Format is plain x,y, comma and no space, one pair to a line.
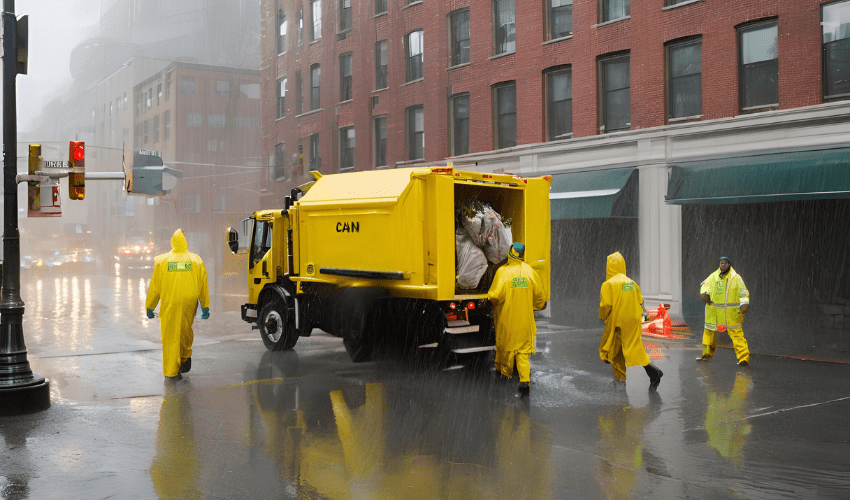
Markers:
262,241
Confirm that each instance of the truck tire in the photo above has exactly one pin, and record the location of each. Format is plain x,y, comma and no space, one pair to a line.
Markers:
355,331
276,328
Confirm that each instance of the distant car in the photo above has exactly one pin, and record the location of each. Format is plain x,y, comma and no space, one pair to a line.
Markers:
138,253
32,264
80,259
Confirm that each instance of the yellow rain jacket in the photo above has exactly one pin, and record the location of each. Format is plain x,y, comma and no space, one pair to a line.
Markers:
180,280
728,294
516,293
620,308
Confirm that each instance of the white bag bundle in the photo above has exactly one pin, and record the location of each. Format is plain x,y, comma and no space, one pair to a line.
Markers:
499,238
471,261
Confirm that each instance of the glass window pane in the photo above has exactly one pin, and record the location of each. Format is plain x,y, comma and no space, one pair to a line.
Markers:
759,44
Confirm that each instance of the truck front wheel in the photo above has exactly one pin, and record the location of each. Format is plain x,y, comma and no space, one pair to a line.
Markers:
276,329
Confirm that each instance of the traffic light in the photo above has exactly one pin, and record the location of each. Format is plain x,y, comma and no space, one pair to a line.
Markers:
77,177
150,176
33,187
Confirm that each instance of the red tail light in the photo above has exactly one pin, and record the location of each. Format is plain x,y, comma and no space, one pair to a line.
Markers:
471,306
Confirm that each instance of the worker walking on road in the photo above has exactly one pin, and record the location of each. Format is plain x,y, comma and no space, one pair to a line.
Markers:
516,293
726,303
621,307
180,280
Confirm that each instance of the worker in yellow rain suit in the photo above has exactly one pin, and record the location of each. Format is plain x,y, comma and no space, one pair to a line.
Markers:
180,279
726,303
516,293
621,307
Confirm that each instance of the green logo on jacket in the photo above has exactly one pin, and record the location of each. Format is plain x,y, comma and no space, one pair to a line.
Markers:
519,282
177,267
628,287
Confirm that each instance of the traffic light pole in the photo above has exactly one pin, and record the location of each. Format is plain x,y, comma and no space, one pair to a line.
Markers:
21,390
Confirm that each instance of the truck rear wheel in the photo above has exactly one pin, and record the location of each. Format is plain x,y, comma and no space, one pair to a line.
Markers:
355,331
276,328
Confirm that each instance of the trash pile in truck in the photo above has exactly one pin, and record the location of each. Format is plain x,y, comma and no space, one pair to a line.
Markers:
482,241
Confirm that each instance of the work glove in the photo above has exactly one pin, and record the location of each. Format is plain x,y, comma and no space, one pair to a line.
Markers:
150,313
644,315
205,313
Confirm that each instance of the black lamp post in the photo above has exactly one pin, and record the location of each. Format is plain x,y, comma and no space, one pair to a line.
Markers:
21,390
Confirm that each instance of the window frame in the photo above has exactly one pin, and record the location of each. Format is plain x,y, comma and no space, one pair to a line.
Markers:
282,30
415,70
279,164
381,70
550,20
604,8
316,20
346,81
741,30
187,85
281,97
315,87
454,121
415,137
346,20
379,141
669,47
456,48
500,49
299,93
500,140
378,10
315,152
346,154
602,61
824,56
548,75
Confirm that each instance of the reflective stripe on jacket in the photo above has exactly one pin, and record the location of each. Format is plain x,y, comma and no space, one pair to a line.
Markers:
728,294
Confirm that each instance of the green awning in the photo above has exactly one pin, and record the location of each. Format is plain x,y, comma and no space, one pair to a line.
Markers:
804,175
599,193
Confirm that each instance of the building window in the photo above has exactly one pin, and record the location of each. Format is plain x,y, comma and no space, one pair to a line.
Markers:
560,18
315,97
415,133
167,87
758,54
346,148
611,10
281,97
125,96
615,93
166,132
149,98
344,15
299,94
277,172
145,133
380,139
212,145
317,19
504,103
194,119
684,69
381,65
459,124
158,94
559,109
836,51
459,37
187,85
315,159
503,26
301,27
155,129
380,6
281,32
413,48
345,91
215,121
222,87
190,203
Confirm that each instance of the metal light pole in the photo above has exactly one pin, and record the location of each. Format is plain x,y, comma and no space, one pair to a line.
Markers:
21,390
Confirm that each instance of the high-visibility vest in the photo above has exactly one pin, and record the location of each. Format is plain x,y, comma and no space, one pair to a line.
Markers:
728,294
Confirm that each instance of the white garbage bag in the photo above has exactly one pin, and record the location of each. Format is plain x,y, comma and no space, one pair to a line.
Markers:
498,239
471,261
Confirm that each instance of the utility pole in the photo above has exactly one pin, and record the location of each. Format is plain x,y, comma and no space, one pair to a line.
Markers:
21,390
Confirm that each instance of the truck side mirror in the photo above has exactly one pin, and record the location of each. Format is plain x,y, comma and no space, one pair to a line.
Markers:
232,238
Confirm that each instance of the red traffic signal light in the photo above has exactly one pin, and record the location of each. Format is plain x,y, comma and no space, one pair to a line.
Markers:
77,177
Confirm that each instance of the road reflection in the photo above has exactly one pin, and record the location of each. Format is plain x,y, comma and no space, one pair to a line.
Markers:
726,418
373,440
176,467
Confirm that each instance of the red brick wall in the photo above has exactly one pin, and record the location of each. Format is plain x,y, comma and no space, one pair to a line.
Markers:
643,35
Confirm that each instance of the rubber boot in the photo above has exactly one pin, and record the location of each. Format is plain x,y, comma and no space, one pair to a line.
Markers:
186,366
654,376
523,390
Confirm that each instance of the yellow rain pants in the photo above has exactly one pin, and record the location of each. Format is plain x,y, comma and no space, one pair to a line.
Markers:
620,307
180,281
516,293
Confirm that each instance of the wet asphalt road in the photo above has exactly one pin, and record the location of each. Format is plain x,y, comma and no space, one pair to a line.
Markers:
309,423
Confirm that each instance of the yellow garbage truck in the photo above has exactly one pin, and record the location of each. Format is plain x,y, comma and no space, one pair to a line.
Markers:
373,257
